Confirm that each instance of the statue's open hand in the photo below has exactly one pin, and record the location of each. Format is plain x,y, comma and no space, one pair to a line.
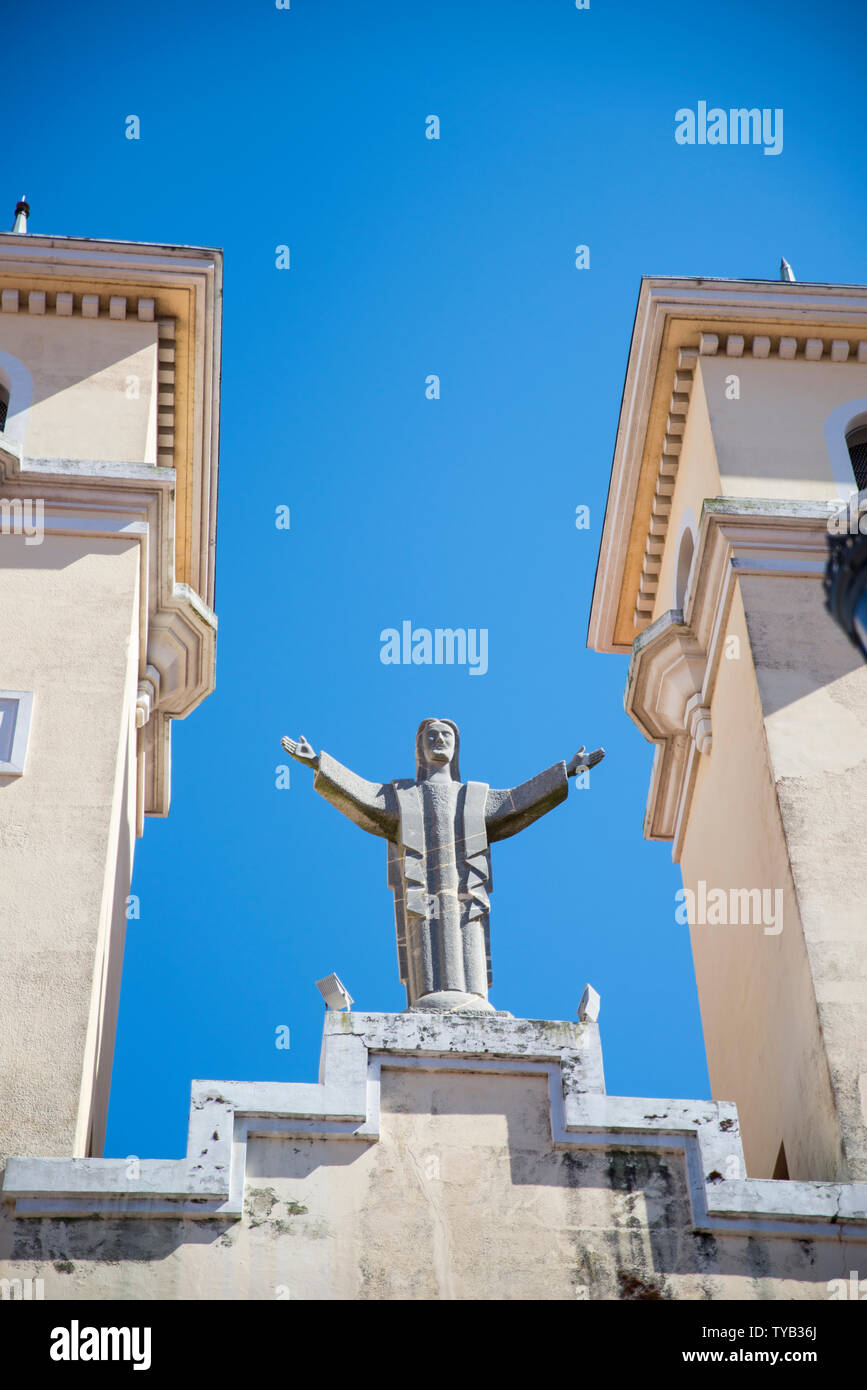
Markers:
583,761
301,751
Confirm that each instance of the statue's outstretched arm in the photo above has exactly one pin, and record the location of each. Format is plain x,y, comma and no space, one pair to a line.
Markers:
371,805
507,812
512,809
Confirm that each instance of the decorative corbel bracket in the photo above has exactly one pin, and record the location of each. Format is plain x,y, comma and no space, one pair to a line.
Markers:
176,629
664,697
676,659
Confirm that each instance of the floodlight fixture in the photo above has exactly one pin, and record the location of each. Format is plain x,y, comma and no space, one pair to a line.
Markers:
335,994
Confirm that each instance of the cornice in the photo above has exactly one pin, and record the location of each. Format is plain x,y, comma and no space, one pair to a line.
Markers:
178,287
675,663
676,322
53,255
663,491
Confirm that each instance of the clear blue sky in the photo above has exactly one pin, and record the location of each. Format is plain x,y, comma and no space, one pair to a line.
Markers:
306,127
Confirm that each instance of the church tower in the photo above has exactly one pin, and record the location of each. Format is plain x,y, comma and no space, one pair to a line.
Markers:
743,409
109,399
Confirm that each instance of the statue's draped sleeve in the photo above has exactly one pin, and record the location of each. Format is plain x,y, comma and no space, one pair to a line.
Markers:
371,805
512,809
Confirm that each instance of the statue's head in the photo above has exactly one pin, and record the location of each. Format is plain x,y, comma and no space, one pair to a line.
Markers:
437,744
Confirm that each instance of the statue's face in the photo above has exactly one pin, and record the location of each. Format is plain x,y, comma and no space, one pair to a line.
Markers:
438,742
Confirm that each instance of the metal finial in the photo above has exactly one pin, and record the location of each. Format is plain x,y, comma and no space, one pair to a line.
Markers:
22,212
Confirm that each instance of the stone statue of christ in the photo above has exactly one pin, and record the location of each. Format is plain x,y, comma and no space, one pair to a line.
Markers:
439,831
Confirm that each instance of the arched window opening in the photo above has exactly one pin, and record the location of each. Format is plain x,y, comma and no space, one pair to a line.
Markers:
684,565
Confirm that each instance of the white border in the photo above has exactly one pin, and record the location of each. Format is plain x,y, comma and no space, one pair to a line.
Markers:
20,738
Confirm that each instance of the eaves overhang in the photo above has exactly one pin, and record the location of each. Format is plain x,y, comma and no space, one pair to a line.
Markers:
180,287
676,320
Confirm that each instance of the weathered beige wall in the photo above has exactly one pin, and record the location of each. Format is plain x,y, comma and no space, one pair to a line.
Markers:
813,689
462,1197
788,767
69,633
86,373
758,1007
771,441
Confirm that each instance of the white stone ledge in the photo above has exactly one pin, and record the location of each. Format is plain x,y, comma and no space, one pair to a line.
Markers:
16,466
117,469
344,1105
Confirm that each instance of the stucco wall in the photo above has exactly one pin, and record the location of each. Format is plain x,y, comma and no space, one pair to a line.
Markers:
789,764
757,1003
69,634
770,441
93,386
813,689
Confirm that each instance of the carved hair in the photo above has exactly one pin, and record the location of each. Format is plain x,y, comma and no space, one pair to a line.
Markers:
422,770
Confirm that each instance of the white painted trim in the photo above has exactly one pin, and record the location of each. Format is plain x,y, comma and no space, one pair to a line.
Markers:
23,716
345,1104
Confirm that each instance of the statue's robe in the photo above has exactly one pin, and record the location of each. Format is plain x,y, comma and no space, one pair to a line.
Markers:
439,863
